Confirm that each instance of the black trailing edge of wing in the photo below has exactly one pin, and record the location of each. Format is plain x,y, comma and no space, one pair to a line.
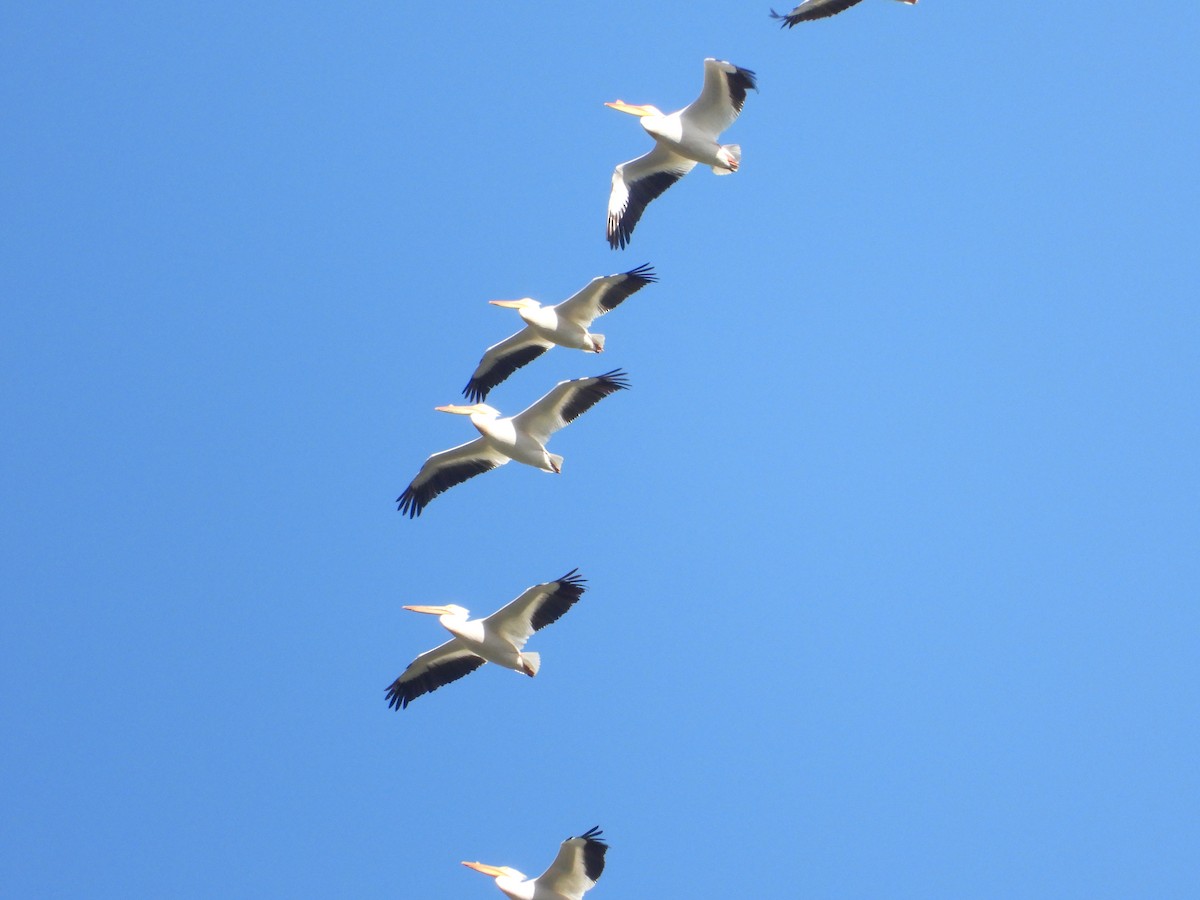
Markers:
634,281
414,499
400,693
821,11
477,388
589,395
739,82
620,227
566,594
594,848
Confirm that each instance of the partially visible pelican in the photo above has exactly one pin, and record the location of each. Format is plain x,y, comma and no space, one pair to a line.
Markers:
818,9
573,873
565,324
682,139
499,638
521,437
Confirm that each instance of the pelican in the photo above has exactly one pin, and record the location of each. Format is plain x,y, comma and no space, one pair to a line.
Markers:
682,139
499,638
565,324
818,9
521,437
573,873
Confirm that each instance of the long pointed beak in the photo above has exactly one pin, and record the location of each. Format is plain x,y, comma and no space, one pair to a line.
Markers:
455,408
431,610
490,871
622,106
507,304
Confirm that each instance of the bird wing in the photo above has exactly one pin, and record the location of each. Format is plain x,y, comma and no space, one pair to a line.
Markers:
635,184
502,359
812,9
604,294
429,671
578,865
536,608
566,402
444,470
721,99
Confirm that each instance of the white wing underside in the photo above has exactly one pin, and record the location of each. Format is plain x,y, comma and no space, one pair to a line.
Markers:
566,874
438,656
514,621
713,111
584,307
636,183
477,450
545,416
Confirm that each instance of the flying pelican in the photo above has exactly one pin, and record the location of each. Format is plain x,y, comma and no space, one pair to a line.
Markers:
521,437
573,873
682,139
818,9
499,638
565,324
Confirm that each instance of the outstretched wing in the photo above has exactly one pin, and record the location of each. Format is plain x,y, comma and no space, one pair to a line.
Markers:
578,866
721,99
635,184
502,359
536,608
566,402
812,9
429,671
444,470
604,294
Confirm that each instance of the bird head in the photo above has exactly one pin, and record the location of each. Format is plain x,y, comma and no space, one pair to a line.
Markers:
523,303
643,110
450,609
481,409
496,871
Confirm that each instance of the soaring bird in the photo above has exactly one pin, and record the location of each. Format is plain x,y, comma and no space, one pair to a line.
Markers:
682,139
521,437
573,873
565,324
817,9
499,638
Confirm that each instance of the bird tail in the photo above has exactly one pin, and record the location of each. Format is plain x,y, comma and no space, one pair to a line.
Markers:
731,152
598,343
556,461
533,662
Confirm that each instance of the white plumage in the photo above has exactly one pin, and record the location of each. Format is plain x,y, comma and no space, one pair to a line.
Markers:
682,139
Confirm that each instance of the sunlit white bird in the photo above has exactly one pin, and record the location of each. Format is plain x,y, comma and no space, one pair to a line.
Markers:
681,139
573,873
521,437
499,638
817,9
565,324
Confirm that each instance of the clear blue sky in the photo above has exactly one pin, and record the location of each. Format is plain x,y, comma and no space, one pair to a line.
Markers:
892,546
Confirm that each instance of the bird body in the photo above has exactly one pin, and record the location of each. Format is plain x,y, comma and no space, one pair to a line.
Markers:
574,872
810,10
499,638
565,324
681,140
503,438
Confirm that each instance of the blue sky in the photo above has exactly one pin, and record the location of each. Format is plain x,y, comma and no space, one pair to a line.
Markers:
891,547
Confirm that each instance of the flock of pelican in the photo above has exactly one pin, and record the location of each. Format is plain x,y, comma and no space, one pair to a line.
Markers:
682,139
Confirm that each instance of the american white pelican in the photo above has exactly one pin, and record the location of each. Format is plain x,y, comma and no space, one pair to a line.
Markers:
499,638
573,873
682,139
521,437
818,9
565,324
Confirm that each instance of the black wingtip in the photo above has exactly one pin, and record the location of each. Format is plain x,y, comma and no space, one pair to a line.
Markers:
475,392
618,378
645,273
407,504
